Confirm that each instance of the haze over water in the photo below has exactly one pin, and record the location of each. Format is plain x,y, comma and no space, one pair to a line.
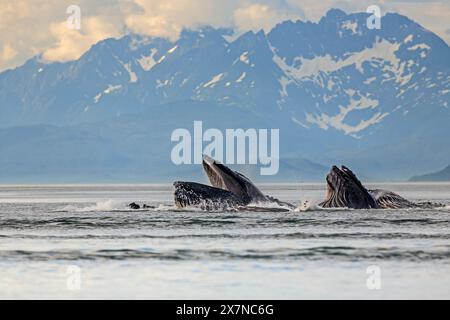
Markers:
166,253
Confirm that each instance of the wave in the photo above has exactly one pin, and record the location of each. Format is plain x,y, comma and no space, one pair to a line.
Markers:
304,206
185,219
445,208
337,253
251,236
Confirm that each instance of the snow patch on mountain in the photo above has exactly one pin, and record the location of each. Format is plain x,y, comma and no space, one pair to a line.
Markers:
161,59
284,82
325,121
241,77
350,25
213,81
409,38
244,58
160,83
172,49
303,68
370,80
111,88
419,46
299,123
148,62
133,76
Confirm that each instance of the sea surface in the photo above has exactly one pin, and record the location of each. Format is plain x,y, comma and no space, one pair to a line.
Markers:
82,242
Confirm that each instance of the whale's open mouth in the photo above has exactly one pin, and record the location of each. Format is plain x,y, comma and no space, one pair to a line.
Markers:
345,190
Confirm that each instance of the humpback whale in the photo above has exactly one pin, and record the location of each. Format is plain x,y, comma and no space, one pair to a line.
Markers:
229,189
344,190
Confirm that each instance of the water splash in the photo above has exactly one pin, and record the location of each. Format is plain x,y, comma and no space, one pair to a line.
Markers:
307,205
108,205
117,206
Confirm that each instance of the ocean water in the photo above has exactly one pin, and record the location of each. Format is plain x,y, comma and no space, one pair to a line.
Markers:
81,242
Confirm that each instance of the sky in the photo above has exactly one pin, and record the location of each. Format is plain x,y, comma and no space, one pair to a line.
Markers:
40,27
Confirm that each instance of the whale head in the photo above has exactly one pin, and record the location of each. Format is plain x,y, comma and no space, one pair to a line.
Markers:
345,190
222,177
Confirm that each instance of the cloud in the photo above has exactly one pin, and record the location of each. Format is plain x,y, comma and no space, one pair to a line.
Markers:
7,52
168,18
21,31
258,16
157,25
70,43
32,27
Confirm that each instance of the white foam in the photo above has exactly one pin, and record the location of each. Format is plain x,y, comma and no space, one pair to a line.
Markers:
163,207
267,205
307,205
108,205
113,205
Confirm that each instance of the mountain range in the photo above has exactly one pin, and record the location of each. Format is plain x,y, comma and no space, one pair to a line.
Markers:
441,175
376,100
